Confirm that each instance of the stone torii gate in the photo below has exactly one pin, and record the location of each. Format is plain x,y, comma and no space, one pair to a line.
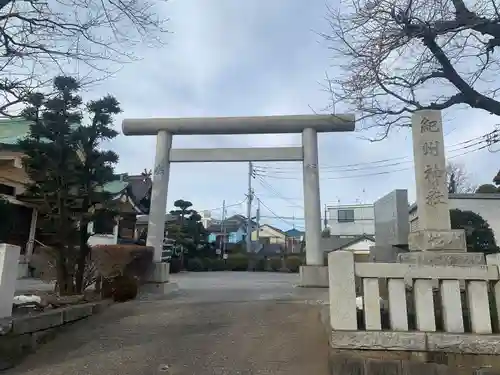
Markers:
308,125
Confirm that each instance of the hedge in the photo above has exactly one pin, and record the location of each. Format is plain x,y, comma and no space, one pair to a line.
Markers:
239,262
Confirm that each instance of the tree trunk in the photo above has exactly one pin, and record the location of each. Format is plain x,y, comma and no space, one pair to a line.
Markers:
81,261
64,281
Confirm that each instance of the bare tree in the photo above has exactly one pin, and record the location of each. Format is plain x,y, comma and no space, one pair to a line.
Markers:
41,39
458,179
398,56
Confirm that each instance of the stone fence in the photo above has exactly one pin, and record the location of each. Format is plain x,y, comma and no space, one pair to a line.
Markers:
414,308
22,335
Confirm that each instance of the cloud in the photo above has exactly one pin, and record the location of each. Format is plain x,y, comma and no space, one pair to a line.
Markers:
234,58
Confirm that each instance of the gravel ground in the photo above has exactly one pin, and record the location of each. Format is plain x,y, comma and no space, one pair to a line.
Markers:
219,323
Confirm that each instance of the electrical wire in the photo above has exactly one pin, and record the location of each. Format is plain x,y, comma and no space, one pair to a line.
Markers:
275,192
273,213
371,164
274,175
225,207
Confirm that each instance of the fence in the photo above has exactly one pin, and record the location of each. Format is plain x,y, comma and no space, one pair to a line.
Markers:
420,298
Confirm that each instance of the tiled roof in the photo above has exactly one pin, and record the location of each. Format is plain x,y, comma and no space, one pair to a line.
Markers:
13,130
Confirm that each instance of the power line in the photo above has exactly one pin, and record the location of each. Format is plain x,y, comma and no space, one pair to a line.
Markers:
273,213
226,206
276,193
274,176
371,164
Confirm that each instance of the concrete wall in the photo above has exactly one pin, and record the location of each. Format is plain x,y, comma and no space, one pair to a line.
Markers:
364,220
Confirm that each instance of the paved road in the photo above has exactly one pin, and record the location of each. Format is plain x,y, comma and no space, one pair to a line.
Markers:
218,323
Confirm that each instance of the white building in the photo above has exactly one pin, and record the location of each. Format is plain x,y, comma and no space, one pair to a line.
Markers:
485,205
351,220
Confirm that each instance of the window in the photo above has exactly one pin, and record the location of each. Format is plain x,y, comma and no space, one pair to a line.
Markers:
7,190
346,216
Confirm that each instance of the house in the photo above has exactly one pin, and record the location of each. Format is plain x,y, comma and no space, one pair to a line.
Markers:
267,234
294,241
487,205
232,230
131,194
351,220
359,245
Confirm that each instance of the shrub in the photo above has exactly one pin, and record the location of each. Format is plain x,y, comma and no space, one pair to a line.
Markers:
218,265
275,264
117,260
237,262
293,263
124,288
175,265
195,265
260,265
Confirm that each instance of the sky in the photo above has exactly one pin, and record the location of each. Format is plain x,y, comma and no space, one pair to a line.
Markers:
235,58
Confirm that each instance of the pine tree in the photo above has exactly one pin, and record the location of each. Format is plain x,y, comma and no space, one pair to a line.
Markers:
50,162
67,170
96,169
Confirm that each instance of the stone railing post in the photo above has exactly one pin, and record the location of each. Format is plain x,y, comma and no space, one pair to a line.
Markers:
9,258
342,291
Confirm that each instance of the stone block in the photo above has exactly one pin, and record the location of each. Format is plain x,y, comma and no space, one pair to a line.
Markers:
378,340
382,367
463,343
430,170
438,258
341,364
385,254
452,240
313,276
159,273
77,312
392,218
37,322
420,368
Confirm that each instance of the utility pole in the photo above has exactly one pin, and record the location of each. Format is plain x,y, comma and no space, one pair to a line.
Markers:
257,220
249,209
223,225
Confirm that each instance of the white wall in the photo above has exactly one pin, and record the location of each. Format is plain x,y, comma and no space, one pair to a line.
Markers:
487,208
364,220
360,247
103,239
268,232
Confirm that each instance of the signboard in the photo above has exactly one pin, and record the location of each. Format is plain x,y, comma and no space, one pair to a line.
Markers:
225,256
218,251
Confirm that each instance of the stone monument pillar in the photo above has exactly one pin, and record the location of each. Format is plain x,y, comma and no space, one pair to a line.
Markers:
434,242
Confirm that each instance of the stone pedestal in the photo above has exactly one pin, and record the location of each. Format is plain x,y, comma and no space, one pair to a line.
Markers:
451,240
158,280
314,276
9,259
